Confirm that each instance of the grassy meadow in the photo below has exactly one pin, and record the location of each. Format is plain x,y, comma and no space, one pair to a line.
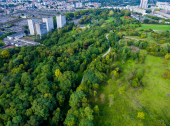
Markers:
158,27
152,99
136,38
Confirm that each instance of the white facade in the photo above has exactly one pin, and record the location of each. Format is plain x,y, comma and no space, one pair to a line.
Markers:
131,8
61,21
142,11
79,5
49,23
41,29
61,7
31,25
144,4
163,5
39,1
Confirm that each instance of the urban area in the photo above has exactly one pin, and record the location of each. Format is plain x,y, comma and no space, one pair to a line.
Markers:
27,19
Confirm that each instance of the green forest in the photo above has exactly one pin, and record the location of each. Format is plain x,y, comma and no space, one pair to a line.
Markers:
61,81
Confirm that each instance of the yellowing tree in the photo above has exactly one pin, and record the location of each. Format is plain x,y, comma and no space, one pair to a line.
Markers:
141,115
107,57
143,36
1,43
70,51
96,109
111,97
57,73
5,54
111,13
102,96
95,93
162,41
120,34
167,56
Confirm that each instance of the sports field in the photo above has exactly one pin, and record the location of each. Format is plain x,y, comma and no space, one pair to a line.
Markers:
158,27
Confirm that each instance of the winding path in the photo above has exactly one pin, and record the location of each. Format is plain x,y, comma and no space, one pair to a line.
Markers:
102,56
109,46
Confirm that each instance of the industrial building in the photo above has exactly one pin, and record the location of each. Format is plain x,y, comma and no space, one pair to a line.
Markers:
41,29
144,4
163,5
61,21
16,36
31,25
49,23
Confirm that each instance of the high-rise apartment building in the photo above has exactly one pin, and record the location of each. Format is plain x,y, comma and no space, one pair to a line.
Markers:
41,28
31,25
49,23
144,4
61,21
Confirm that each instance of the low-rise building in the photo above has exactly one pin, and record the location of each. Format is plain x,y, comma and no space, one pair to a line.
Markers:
138,10
79,5
17,35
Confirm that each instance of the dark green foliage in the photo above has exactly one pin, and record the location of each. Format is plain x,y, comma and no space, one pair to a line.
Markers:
5,35
31,94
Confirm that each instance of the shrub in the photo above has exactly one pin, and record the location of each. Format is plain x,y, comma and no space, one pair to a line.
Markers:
141,115
143,36
167,56
165,62
166,74
162,41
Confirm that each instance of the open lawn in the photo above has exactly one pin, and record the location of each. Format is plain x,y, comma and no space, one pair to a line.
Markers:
152,99
109,19
28,38
158,27
136,38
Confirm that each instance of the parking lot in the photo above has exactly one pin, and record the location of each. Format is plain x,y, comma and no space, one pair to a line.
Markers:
4,19
16,28
22,22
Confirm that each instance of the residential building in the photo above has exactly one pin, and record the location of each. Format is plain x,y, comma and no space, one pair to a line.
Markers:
49,23
61,21
144,4
41,28
31,25
79,5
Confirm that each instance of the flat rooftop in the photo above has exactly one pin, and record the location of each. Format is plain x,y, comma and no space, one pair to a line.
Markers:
16,34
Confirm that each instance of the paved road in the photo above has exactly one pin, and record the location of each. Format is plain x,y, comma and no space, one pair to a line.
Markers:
119,41
109,46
